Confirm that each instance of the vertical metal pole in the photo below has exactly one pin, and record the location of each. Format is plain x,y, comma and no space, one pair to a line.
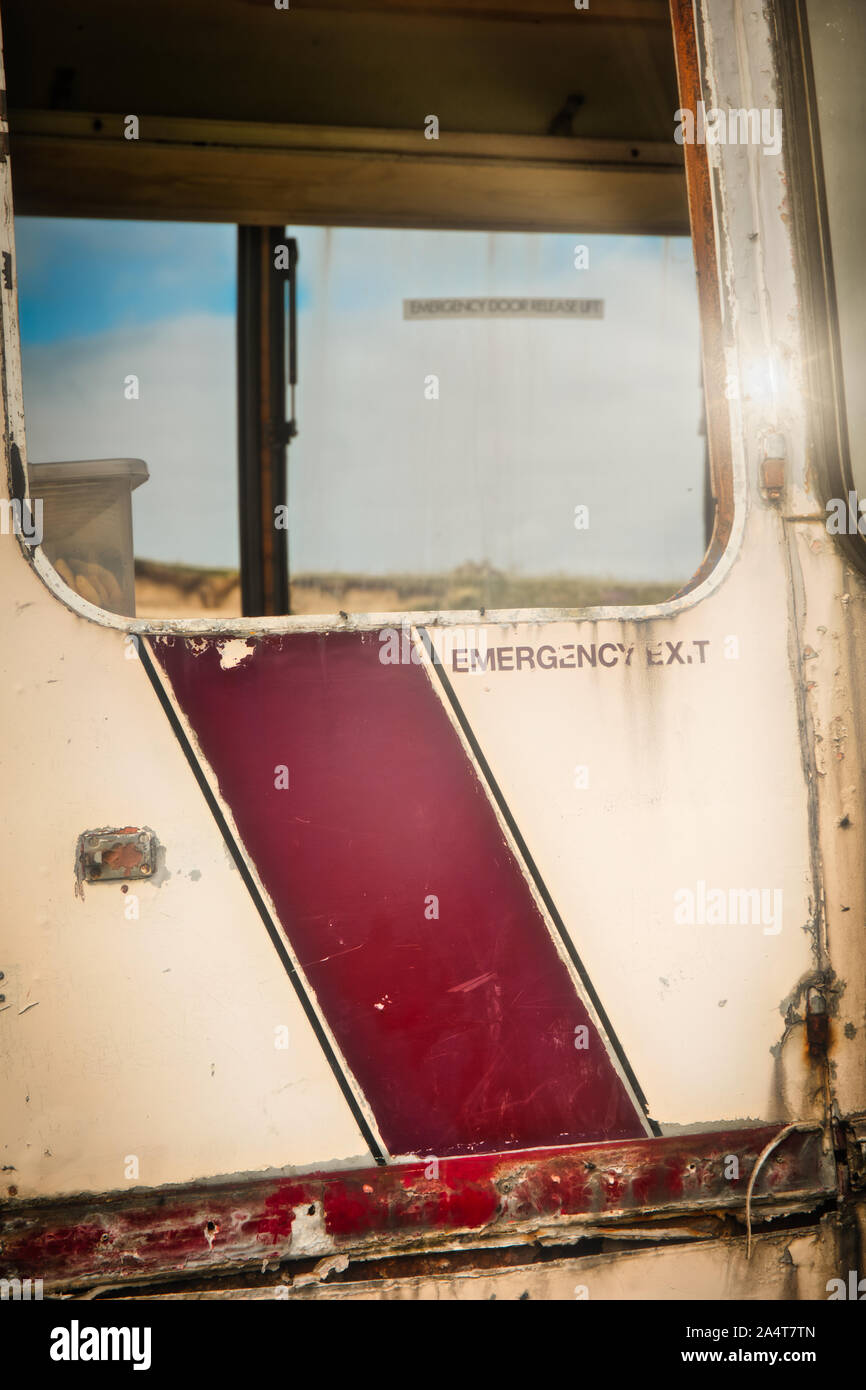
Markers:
262,430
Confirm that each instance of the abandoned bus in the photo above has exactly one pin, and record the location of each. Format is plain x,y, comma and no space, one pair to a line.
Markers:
434,644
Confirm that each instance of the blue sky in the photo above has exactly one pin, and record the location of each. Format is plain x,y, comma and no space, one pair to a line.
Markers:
79,277
532,417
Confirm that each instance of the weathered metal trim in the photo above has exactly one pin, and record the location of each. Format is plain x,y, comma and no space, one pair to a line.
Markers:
792,1265
829,454
374,622
11,390
704,241
205,1229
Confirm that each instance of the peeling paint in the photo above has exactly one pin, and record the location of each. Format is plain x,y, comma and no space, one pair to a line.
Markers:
501,1198
234,652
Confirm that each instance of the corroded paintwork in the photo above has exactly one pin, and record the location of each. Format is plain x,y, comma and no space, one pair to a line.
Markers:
153,1037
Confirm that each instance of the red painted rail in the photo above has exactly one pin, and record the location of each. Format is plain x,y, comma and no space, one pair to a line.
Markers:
129,1237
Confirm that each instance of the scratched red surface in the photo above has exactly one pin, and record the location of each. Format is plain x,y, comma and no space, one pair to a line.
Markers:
207,1227
459,1028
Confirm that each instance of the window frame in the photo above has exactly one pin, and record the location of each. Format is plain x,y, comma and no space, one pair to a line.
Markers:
727,493
829,446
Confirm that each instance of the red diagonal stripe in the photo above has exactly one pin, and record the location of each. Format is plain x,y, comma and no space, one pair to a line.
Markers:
461,1029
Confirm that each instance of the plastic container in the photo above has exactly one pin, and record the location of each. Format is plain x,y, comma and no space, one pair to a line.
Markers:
87,526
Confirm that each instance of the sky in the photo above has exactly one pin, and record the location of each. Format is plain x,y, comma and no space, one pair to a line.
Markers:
533,418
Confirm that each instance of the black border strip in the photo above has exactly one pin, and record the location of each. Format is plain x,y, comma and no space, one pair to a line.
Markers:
523,849
243,868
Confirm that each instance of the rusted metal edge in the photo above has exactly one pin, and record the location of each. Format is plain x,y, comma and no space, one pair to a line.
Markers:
701,216
493,1198
829,446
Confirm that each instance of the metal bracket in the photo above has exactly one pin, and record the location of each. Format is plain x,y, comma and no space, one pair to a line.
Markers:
112,856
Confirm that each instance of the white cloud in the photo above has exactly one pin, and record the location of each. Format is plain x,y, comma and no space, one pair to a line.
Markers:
183,425
533,417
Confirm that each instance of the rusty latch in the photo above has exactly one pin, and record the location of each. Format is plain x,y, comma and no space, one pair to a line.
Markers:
773,468
108,856
817,1025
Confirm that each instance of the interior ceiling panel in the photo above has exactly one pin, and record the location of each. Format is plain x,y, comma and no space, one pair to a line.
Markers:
480,66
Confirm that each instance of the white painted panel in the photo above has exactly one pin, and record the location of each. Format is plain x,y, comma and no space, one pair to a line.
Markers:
155,1037
694,775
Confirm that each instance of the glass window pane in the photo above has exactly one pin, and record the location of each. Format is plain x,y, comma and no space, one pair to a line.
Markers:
128,352
440,459
485,420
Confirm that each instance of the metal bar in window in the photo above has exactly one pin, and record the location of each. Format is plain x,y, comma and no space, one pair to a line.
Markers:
263,432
